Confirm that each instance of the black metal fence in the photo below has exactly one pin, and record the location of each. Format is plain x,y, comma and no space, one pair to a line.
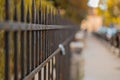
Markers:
30,36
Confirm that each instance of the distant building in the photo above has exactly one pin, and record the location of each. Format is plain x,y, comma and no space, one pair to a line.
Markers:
92,22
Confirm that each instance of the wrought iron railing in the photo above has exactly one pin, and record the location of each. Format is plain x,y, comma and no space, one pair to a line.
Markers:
32,41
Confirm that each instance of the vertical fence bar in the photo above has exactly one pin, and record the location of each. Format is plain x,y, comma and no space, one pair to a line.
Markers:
44,52
22,10
28,51
48,36
51,16
51,49
52,69
39,78
32,54
58,67
34,45
22,54
25,53
7,9
36,51
47,45
15,56
30,48
40,11
28,16
46,13
15,10
33,11
47,16
37,16
40,15
7,56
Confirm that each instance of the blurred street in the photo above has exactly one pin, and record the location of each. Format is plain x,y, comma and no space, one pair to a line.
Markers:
100,63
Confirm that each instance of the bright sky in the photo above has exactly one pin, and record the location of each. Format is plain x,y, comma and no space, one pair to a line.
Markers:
93,3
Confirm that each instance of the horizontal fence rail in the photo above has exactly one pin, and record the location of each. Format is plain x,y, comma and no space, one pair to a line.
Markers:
30,34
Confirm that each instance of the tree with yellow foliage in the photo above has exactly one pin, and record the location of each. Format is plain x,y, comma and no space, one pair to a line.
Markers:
112,13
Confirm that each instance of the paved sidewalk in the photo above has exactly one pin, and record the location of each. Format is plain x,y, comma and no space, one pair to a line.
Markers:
100,63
